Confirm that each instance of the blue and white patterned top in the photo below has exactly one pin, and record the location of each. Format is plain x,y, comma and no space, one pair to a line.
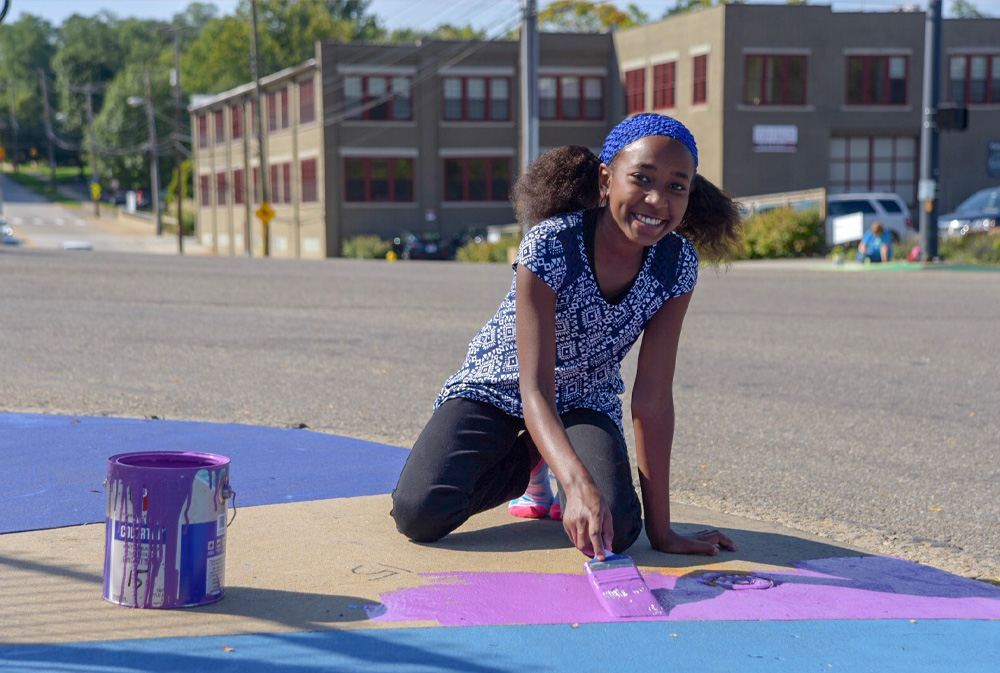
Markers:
592,335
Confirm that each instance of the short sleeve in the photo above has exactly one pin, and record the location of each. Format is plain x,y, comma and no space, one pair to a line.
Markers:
541,252
687,269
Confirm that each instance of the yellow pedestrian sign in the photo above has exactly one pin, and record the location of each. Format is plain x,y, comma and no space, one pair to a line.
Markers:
265,212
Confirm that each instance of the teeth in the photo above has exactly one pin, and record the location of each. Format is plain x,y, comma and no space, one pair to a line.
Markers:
648,220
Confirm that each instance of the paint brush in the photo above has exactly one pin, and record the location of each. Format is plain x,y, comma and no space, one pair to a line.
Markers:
620,588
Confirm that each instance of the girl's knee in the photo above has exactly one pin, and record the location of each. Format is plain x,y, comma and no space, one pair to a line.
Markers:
627,527
422,517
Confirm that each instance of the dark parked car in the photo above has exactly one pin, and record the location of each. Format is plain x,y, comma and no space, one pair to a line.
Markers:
980,212
426,245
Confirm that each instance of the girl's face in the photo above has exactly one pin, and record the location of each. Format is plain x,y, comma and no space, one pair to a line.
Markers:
648,185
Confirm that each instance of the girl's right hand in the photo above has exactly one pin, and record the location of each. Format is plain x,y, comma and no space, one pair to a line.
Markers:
587,520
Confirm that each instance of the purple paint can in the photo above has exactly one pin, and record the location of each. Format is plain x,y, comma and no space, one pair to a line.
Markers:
165,543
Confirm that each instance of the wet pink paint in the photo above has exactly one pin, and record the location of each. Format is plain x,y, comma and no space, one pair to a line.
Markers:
150,498
873,587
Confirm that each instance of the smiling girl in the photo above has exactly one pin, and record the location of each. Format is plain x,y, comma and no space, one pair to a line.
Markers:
541,380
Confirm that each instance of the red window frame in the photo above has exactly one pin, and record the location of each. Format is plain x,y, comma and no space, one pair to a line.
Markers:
273,183
365,104
286,182
307,169
559,113
869,64
785,87
283,93
237,186
272,112
221,189
464,117
202,130
699,80
204,181
635,91
871,183
236,121
366,179
991,82
464,164
307,102
664,85
220,127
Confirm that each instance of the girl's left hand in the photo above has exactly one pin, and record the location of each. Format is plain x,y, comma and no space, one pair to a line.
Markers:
703,542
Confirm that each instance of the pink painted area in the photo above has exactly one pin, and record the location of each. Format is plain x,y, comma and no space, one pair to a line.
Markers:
844,588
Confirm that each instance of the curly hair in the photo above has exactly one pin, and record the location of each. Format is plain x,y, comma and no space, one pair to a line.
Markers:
712,221
561,180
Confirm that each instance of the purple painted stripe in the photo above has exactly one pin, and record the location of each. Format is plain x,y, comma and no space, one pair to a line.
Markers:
874,587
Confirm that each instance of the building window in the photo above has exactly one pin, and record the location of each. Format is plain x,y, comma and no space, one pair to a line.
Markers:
273,183
272,112
570,97
974,79
378,98
286,182
238,187
774,80
699,94
664,85
236,114
308,170
202,131
206,190
220,127
368,180
221,188
476,98
635,91
285,120
307,104
476,179
874,164
876,80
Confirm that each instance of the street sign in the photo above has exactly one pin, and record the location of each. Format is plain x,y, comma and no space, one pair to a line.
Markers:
265,212
95,191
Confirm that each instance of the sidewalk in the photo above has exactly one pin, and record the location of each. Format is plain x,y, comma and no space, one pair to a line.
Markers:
318,579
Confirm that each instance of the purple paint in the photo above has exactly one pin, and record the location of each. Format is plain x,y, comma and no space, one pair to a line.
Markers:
873,587
165,530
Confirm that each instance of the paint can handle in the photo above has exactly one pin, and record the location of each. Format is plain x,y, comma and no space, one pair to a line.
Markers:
229,493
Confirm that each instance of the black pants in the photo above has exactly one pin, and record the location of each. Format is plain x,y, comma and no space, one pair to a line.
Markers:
472,457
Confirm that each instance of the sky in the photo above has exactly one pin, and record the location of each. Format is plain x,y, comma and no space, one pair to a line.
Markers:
417,14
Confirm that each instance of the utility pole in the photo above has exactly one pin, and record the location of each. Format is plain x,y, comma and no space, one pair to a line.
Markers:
95,195
48,127
265,172
178,158
529,88
927,187
154,169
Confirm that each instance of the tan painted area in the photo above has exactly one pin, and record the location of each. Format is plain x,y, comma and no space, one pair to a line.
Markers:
312,566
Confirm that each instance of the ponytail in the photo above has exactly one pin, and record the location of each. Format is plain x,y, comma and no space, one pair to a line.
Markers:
712,221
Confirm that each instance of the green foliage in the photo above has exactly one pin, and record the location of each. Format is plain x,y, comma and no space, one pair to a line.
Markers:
486,252
783,232
979,248
366,247
684,6
187,181
579,16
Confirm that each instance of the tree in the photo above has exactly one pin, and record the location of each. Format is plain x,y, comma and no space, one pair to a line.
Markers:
442,32
577,16
965,9
683,6
87,54
27,48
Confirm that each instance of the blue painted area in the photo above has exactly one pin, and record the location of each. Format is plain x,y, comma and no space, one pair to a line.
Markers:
54,466
931,646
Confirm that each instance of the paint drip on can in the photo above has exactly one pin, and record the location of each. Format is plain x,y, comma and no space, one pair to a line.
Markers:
165,543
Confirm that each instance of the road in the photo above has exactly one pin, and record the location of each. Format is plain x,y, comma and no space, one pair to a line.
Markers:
864,407
41,224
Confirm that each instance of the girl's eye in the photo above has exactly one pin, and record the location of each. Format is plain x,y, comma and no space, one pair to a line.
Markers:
678,187
639,177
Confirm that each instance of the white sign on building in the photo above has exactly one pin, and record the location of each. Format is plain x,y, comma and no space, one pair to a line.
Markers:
775,138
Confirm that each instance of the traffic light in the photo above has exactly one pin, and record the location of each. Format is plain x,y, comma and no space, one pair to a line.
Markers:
952,117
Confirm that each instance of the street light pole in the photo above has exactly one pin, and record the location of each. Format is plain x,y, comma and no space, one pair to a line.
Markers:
154,170
927,186
178,158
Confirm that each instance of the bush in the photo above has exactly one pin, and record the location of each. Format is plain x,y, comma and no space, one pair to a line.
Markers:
366,247
979,248
783,232
486,252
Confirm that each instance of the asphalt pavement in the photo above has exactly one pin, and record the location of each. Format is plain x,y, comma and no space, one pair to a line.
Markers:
862,407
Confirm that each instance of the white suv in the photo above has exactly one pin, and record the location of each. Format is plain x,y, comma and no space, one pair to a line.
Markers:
884,207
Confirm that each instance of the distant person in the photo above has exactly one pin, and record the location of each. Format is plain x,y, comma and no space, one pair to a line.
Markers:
586,285
876,245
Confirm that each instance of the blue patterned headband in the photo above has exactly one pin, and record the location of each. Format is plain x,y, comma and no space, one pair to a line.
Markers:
642,125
